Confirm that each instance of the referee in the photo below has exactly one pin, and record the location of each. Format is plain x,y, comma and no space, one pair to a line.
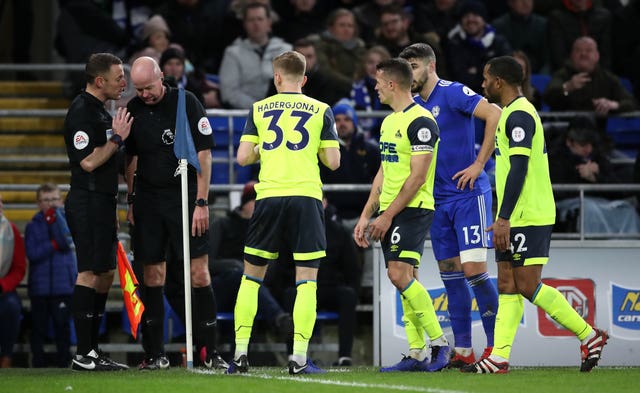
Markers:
92,138
156,209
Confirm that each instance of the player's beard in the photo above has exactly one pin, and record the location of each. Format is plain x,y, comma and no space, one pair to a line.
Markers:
418,84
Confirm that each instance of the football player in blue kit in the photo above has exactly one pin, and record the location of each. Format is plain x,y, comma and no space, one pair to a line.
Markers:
462,193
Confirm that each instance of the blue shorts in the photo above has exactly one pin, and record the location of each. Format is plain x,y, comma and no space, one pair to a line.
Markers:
404,241
460,225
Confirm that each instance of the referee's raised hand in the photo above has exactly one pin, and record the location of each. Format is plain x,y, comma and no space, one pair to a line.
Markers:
121,123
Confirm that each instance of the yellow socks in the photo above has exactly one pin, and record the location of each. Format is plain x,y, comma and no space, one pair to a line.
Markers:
244,313
510,310
424,315
553,303
304,317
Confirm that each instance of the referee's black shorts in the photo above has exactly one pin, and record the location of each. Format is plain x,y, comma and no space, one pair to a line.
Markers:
158,224
92,221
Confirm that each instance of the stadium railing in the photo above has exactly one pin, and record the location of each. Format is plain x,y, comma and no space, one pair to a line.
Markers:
583,191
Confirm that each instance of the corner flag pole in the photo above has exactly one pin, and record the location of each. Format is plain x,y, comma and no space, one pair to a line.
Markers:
185,152
186,256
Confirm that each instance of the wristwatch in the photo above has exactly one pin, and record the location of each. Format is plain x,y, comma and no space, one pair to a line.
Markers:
117,139
202,202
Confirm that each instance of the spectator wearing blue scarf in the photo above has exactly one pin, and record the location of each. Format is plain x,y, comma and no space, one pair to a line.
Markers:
472,42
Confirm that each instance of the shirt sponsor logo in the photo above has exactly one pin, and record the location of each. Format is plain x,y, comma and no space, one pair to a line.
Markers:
580,293
424,135
625,312
80,140
204,127
517,134
388,152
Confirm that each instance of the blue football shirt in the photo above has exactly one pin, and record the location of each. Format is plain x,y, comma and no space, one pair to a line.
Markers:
452,105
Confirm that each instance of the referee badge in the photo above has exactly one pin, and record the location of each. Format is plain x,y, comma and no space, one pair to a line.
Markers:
204,127
80,140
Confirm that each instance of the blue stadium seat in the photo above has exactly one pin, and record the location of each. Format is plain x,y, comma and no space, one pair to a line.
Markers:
220,171
222,123
627,84
221,137
624,131
540,82
220,126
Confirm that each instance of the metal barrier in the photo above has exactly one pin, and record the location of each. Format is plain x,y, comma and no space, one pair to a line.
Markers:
581,189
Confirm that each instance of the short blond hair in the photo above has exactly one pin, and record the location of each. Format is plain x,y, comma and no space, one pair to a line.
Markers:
292,64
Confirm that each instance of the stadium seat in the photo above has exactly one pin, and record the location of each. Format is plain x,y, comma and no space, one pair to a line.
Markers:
624,131
220,126
627,84
220,170
540,82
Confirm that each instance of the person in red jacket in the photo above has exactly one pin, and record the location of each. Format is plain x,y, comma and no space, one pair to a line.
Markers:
13,264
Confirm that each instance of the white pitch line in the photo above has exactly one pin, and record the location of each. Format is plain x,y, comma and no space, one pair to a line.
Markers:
354,384
404,388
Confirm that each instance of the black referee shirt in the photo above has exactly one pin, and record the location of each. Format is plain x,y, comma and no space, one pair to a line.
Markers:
153,133
87,126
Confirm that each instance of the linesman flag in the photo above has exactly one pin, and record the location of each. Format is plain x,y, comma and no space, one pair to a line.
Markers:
129,285
183,146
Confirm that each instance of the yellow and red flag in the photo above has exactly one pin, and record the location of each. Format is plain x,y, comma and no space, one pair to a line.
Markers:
129,285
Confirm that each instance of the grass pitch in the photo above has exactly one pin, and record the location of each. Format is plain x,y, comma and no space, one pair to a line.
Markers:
357,379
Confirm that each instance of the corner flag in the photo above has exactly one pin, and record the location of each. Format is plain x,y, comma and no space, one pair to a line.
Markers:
129,285
183,146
